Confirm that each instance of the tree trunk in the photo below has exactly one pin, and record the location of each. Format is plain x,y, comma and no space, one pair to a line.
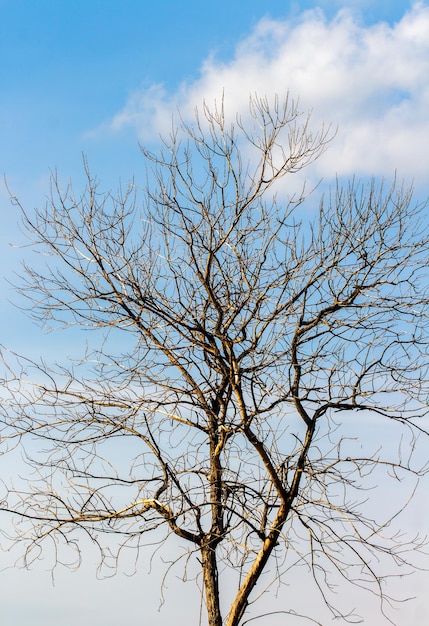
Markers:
211,585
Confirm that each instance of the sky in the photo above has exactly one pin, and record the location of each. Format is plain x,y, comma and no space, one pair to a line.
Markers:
96,77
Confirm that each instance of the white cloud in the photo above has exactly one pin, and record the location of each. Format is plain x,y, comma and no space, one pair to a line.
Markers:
370,81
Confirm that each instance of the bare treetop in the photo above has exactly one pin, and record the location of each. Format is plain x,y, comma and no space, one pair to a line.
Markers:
240,330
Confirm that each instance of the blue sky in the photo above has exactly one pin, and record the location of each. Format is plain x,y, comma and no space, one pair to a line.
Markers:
68,69
98,76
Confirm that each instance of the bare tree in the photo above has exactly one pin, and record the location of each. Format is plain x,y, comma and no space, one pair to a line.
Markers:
240,333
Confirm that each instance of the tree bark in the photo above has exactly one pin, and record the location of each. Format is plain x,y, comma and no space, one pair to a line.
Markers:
211,585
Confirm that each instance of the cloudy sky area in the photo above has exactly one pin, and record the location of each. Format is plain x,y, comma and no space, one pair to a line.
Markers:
369,80
98,76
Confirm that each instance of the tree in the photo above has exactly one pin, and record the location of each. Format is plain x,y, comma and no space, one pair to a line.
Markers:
241,332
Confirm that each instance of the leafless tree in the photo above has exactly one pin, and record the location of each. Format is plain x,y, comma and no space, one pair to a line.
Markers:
241,332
